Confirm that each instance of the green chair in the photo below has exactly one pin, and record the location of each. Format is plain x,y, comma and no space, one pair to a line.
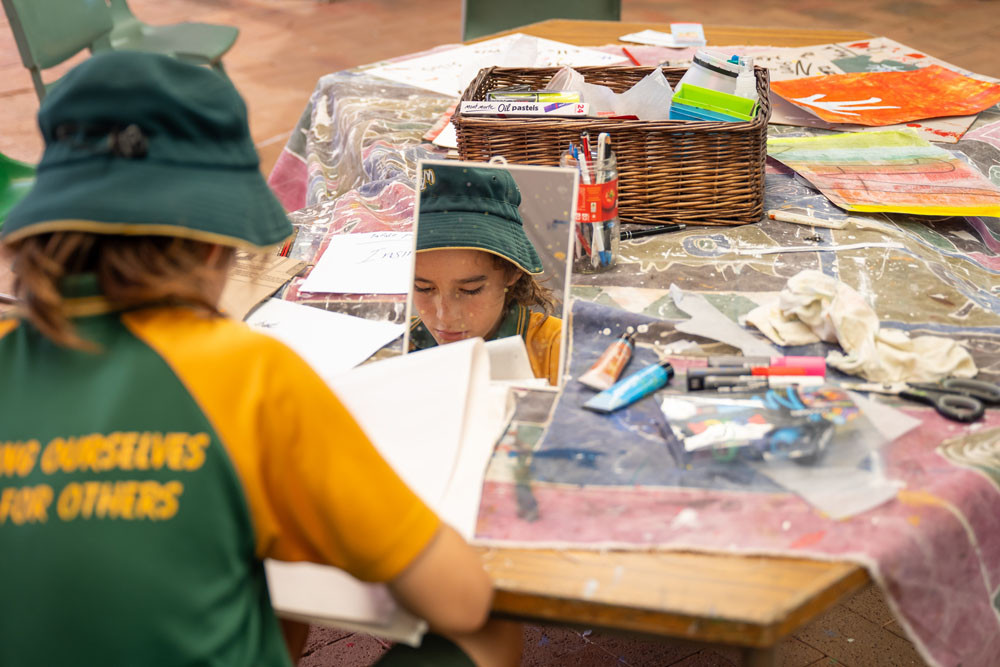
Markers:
198,43
16,178
49,32
485,17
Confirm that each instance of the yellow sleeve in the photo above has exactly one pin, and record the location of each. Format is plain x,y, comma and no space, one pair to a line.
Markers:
316,487
543,340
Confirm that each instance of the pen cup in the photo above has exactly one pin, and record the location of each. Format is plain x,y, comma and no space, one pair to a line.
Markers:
597,224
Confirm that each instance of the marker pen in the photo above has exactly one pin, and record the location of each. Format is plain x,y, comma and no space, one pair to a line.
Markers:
727,385
700,378
704,379
811,365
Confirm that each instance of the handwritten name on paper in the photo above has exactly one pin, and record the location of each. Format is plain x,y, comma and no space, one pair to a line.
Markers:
367,263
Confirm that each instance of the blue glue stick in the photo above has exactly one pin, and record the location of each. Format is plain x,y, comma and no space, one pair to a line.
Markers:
631,389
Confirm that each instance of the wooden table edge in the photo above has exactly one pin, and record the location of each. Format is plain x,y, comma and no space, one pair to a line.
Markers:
599,33
836,581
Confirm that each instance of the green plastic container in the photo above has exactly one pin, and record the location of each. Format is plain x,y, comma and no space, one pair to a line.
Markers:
713,100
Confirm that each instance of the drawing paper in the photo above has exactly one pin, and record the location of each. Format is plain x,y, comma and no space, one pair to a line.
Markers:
450,72
888,171
329,342
363,263
885,98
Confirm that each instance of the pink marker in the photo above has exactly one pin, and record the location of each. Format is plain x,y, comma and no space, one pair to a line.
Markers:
810,365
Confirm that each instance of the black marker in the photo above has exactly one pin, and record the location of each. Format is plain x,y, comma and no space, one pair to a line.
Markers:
652,231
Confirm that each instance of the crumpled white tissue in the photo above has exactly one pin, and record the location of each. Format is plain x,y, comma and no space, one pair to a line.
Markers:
814,307
648,99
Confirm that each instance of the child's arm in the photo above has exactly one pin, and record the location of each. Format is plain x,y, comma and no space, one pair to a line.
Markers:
446,585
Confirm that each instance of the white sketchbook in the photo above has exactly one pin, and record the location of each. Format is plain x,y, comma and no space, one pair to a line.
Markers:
446,418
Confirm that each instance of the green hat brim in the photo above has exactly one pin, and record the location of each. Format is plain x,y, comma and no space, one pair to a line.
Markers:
478,231
231,207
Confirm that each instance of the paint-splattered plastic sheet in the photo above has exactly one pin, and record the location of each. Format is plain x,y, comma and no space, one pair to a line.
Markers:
935,549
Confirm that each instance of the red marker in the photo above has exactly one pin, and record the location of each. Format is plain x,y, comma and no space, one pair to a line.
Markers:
771,371
630,56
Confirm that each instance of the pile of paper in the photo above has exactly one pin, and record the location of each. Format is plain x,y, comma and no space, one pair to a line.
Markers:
446,417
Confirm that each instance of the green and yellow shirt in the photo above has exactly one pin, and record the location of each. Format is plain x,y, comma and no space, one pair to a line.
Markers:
141,486
541,334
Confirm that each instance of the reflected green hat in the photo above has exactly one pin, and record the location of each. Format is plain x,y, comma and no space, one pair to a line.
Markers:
140,143
474,207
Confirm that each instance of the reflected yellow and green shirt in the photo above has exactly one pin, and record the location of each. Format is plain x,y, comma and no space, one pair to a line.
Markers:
141,486
541,334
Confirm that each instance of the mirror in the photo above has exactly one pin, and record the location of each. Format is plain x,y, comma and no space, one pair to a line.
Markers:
493,244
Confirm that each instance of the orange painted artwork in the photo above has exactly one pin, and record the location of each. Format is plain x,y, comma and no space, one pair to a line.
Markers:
887,98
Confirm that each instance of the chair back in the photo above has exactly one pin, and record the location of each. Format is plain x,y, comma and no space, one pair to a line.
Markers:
126,25
485,17
48,32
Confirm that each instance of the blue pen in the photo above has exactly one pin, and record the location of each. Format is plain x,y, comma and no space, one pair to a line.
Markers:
606,254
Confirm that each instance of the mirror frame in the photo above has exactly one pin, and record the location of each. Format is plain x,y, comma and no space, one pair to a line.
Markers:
500,163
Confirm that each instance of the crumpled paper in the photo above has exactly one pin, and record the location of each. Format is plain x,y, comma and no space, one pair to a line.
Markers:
814,306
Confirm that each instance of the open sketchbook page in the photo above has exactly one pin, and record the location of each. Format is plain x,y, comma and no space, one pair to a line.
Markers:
435,417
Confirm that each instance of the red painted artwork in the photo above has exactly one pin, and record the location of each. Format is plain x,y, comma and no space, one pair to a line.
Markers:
887,98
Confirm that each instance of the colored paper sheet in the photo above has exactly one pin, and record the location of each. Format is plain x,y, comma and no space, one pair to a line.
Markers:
885,98
880,54
890,172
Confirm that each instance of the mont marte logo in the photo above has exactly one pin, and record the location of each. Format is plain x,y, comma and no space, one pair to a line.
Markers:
427,179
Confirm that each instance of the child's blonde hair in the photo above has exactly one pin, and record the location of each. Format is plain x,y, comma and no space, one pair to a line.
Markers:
131,271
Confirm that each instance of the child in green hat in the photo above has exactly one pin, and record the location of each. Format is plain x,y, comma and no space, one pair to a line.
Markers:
475,268
154,452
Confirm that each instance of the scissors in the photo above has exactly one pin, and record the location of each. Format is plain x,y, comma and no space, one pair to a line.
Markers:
958,399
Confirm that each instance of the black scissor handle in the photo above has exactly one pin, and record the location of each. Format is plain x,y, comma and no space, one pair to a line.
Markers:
985,392
957,407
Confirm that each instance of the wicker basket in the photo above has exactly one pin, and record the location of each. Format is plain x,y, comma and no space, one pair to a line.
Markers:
706,173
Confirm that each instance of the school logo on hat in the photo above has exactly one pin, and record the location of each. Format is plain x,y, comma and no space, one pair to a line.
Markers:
474,208
426,179
140,143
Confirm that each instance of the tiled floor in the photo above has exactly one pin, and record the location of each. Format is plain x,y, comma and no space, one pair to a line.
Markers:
286,45
860,632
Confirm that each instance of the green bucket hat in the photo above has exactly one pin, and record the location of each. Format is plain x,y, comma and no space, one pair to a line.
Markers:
143,144
474,208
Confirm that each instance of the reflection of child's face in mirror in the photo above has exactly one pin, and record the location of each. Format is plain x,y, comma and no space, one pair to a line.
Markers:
459,293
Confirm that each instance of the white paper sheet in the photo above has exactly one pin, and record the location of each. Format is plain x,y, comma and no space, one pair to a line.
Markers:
365,263
707,321
329,342
450,72
445,419
509,359
444,422
838,492
681,36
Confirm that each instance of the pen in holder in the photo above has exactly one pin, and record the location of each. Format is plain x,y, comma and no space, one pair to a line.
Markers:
597,224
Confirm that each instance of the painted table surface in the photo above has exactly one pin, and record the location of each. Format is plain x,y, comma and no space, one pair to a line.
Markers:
349,168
